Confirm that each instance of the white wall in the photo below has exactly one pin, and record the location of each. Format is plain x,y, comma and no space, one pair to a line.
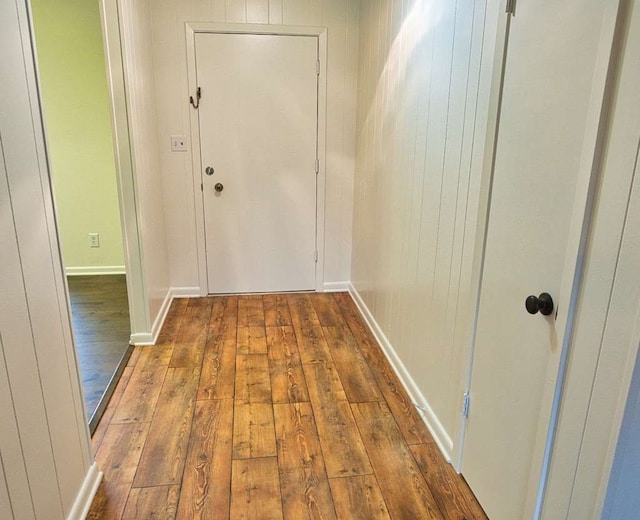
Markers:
171,92
136,34
417,186
46,461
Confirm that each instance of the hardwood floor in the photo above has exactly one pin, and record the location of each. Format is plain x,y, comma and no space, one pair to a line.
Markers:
269,407
100,314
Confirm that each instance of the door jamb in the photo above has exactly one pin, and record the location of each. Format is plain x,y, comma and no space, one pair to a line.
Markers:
191,29
127,198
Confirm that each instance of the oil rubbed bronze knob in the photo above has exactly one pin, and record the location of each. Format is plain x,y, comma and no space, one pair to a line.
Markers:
218,187
542,303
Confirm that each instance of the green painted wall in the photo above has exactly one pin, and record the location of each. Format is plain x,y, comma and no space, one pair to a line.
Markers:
76,109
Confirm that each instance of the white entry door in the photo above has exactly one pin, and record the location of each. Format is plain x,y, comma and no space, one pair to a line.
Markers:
548,82
258,139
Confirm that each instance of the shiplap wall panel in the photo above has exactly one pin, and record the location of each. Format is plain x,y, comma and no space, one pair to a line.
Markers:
137,36
168,19
418,87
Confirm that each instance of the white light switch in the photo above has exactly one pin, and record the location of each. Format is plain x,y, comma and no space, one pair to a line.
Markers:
178,143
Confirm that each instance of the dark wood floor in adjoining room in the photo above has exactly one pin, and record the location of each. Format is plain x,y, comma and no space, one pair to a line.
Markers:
269,407
100,314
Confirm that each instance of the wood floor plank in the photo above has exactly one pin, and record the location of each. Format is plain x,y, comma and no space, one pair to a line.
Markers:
303,478
255,490
355,374
312,345
451,492
118,457
355,321
252,340
342,446
217,379
328,311
303,315
164,454
159,502
105,420
250,311
206,486
405,491
141,395
359,498
223,309
252,378
133,358
154,355
276,310
191,339
324,382
253,430
287,378
411,424
173,321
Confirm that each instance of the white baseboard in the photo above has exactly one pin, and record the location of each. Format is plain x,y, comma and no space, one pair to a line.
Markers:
335,286
185,292
94,270
87,492
420,402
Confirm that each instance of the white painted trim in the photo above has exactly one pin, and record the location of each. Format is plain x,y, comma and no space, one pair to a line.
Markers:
95,270
191,28
429,417
127,198
336,286
141,339
185,292
82,503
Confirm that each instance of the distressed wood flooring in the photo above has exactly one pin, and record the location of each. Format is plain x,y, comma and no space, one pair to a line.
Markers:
279,406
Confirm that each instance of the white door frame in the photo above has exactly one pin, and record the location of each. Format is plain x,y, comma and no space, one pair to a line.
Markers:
285,30
496,47
141,326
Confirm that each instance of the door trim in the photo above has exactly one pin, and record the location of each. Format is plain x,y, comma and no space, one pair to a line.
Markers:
191,30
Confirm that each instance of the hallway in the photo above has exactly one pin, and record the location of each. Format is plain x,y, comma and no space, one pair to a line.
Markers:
274,406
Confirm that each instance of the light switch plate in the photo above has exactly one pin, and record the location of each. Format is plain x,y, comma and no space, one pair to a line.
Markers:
178,143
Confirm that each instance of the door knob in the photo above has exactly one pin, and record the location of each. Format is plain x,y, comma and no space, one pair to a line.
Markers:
209,170
542,303
218,187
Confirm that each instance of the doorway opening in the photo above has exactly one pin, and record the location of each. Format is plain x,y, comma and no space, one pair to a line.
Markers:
76,110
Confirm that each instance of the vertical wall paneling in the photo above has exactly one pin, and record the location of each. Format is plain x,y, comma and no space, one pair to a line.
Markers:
416,190
44,434
275,12
236,11
171,89
257,11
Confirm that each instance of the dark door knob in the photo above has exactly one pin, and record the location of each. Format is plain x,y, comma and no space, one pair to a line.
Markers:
209,170
542,303
218,187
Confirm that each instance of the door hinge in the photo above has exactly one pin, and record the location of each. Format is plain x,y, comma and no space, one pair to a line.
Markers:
315,255
201,187
318,67
317,165
465,404
511,7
